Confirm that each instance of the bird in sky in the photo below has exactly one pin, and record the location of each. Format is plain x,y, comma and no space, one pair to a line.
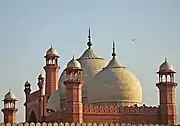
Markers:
133,40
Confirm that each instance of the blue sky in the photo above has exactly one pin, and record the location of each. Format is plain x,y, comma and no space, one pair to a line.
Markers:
28,28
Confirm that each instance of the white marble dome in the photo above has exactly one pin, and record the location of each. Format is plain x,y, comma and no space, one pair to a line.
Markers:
166,66
115,84
52,51
91,65
10,96
74,64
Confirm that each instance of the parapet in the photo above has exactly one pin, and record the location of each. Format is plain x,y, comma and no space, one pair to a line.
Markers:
121,109
33,95
78,124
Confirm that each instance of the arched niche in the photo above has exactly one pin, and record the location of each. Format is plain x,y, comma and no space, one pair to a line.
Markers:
32,117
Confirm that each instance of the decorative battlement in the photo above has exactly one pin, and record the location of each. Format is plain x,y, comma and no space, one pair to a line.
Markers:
79,124
121,109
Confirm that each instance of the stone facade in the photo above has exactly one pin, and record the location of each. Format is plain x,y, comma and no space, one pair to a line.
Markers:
75,111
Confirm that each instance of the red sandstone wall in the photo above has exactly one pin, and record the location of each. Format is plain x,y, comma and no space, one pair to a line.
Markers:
121,114
33,103
112,114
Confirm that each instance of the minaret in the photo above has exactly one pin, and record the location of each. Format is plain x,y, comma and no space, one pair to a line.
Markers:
9,109
73,84
41,83
166,87
42,104
27,90
51,68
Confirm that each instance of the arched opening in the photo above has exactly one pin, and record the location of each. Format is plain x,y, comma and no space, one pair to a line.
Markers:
164,78
168,78
32,117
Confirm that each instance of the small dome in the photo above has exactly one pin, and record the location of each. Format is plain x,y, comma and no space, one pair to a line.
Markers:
166,66
10,96
51,51
27,83
74,64
40,76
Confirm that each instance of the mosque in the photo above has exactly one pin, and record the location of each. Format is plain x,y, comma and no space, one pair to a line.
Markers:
90,89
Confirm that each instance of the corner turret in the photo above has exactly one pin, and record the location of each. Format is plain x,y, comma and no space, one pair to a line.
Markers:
167,87
51,68
73,84
9,109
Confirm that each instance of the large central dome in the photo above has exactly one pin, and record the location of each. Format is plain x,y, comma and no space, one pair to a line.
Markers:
91,65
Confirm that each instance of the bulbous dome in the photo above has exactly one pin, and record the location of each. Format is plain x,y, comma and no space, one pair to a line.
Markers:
10,96
115,84
74,64
166,66
51,51
91,64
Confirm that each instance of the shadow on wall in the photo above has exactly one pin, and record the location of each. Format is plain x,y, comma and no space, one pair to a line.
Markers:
32,117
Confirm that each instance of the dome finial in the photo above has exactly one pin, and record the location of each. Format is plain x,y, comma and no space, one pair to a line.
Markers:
89,39
51,46
113,53
165,59
9,89
73,56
